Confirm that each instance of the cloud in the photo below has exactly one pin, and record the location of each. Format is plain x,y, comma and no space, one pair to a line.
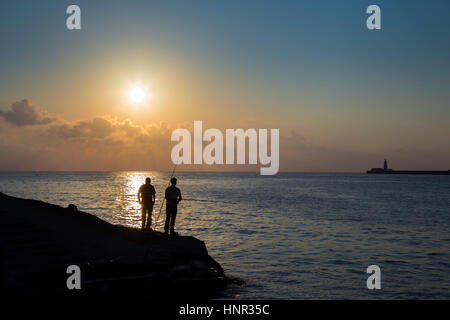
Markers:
94,128
22,113
37,141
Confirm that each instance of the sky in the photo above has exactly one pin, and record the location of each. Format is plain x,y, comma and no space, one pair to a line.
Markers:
344,97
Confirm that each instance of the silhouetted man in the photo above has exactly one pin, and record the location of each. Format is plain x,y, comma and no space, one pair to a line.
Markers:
173,197
146,197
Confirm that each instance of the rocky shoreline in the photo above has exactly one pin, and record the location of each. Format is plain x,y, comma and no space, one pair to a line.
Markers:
38,241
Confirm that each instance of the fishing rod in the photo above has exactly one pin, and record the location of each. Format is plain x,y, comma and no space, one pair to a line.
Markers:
206,200
164,199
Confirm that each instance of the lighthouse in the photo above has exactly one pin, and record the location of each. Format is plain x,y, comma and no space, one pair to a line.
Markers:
385,165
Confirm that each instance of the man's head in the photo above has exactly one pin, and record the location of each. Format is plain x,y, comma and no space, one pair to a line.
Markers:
173,181
148,180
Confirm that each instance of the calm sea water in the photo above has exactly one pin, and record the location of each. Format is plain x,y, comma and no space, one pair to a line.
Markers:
289,236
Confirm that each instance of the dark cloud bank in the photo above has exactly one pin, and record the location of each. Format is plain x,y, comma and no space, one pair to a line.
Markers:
22,113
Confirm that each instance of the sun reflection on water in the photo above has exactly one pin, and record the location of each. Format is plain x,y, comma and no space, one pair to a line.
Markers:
127,197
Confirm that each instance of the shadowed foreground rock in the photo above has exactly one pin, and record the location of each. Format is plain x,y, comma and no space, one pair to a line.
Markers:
38,241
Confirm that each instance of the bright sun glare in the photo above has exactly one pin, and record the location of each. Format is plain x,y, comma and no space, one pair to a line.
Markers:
137,94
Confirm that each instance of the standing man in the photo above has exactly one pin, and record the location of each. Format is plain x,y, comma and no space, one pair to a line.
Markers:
173,197
146,197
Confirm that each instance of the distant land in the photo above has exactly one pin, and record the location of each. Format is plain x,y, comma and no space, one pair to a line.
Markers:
386,170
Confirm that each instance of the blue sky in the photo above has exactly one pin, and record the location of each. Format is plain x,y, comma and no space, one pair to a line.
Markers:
311,67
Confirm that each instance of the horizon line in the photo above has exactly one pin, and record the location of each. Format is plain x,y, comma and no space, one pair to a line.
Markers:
168,171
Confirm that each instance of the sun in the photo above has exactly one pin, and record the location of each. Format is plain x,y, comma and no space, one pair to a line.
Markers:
137,94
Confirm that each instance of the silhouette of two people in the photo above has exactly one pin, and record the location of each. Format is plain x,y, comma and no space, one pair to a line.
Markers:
147,197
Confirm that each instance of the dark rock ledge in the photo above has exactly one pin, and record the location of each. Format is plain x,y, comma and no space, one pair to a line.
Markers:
38,241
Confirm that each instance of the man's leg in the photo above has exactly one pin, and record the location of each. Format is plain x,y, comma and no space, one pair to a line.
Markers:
149,217
144,209
172,219
166,226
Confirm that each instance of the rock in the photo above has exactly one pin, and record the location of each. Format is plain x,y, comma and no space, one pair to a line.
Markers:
72,208
40,240
199,264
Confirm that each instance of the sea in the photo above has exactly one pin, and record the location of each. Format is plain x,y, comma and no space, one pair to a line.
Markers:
288,236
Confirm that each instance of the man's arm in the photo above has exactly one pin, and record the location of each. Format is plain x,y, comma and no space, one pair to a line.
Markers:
154,195
179,196
139,194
